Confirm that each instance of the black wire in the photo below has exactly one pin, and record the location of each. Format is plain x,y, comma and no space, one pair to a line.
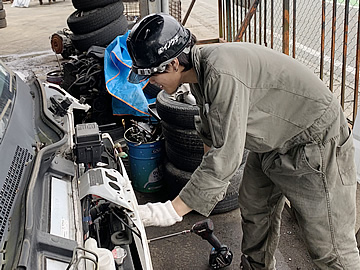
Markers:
97,229
110,154
123,222
88,80
84,73
90,68
85,82
77,79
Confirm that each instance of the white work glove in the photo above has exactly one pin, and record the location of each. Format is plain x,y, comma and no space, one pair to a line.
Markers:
158,214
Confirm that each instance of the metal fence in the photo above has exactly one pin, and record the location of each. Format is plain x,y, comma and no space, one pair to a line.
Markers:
322,34
135,9
131,10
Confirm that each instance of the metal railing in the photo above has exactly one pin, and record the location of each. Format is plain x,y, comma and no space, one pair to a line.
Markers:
136,9
324,35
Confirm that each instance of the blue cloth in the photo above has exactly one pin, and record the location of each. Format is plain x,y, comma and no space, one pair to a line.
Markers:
127,98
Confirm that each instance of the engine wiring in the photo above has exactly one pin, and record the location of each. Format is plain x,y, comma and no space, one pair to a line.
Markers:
125,224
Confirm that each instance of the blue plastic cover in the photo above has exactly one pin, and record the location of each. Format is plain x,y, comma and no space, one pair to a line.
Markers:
127,98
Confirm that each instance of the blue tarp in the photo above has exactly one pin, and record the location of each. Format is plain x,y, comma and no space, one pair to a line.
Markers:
128,98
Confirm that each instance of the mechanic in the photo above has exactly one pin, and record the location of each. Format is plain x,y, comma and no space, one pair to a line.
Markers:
254,97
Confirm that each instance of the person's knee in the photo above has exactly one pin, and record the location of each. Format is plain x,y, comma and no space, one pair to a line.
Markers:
344,256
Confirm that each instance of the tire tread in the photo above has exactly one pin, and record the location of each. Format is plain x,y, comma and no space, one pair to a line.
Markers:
101,37
94,19
176,113
86,5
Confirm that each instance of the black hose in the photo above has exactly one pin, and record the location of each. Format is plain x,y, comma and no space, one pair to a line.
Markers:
126,225
98,210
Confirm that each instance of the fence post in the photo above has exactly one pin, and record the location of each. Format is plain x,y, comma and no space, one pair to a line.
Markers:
246,21
144,8
188,12
294,28
265,16
356,90
333,32
272,24
249,28
260,19
286,27
343,77
220,11
322,40
228,21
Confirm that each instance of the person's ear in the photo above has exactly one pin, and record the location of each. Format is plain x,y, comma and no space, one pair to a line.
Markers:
175,64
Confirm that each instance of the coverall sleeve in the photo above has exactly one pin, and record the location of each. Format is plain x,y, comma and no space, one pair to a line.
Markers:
225,116
202,127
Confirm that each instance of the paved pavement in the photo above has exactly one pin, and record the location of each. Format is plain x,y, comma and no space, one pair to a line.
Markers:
25,42
25,46
203,20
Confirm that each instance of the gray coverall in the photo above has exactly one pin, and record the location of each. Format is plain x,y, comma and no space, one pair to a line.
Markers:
254,97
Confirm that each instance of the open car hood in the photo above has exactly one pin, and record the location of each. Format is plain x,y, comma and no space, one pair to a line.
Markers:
47,225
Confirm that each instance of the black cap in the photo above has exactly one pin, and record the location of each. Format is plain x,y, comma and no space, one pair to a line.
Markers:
153,41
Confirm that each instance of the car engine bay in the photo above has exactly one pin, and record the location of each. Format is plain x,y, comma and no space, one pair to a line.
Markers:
73,206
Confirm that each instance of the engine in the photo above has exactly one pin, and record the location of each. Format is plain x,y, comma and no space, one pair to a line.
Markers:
114,237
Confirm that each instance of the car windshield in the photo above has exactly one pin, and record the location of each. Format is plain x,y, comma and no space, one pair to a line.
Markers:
6,97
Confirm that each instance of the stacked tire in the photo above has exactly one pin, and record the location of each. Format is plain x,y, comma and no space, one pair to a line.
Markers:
184,150
3,23
96,23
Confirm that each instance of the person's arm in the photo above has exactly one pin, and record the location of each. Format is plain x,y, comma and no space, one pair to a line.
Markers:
228,113
180,207
152,214
225,115
206,148
159,214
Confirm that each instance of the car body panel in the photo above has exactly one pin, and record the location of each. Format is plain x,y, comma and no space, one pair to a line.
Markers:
43,221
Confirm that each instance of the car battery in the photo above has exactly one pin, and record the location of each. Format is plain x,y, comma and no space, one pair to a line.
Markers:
88,143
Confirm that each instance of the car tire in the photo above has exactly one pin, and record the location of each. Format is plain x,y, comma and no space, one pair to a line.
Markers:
101,37
182,160
176,113
186,140
231,200
175,179
2,14
151,90
82,22
3,23
87,5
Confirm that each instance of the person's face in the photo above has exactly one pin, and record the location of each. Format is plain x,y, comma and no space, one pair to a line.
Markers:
168,80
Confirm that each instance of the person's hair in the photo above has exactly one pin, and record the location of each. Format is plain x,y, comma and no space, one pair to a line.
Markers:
185,57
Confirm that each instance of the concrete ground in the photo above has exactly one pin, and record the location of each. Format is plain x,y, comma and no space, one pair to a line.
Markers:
25,46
